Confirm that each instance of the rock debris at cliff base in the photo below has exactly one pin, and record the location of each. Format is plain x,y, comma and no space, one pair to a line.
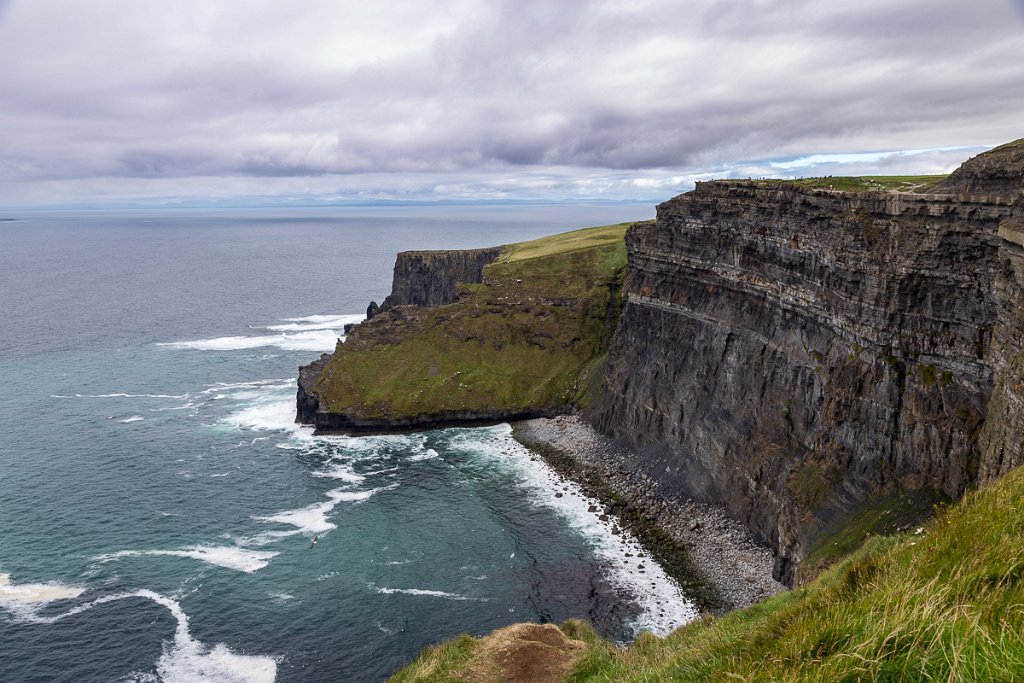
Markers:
722,550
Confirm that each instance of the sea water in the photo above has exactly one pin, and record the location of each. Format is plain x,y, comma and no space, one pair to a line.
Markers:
158,505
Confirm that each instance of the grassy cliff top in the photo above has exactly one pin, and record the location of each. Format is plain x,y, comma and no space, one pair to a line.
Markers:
529,338
586,238
945,602
898,183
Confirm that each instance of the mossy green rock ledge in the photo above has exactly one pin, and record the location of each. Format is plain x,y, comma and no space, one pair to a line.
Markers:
526,339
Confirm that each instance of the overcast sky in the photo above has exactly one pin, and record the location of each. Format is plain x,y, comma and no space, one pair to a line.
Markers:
136,100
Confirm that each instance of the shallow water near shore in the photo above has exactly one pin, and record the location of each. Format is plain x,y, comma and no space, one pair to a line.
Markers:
158,506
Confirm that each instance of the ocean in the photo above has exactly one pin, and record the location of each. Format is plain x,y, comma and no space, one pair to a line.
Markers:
158,505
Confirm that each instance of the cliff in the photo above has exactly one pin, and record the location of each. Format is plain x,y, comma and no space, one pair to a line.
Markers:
795,354
432,278
475,337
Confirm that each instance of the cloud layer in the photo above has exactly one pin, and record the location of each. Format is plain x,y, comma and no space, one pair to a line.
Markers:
487,98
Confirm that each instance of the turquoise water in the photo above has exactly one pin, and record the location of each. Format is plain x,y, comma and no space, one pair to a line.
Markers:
158,505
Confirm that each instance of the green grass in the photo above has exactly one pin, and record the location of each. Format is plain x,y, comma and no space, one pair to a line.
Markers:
530,337
439,663
586,238
943,605
899,183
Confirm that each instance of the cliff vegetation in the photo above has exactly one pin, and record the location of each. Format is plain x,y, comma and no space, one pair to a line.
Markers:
942,602
527,339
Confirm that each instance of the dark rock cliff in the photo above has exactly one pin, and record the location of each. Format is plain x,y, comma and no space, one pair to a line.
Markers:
432,278
790,353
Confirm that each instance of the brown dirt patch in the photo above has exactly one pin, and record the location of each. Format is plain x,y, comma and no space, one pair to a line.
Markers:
534,653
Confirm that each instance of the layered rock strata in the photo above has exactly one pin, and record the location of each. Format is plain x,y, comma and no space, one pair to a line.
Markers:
790,353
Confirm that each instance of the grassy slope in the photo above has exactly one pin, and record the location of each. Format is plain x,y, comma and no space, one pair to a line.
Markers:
528,337
945,604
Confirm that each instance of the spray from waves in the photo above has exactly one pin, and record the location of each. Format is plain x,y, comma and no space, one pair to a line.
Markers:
185,659
312,333
660,599
230,557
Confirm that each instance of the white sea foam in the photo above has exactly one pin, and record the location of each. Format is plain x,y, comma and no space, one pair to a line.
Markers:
428,454
271,413
312,519
317,322
340,496
185,659
660,599
312,333
120,395
230,557
34,593
341,471
132,418
420,591
220,387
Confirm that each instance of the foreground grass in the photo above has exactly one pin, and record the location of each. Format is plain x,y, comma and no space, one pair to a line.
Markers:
530,337
946,604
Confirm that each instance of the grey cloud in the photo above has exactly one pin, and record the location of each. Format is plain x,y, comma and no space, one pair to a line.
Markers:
477,88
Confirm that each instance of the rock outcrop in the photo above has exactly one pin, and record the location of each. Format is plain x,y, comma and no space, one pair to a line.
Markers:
791,353
466,340
432,278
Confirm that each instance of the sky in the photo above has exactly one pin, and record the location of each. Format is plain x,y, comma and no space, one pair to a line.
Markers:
110,102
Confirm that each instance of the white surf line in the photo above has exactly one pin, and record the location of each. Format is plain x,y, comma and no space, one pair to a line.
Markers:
663,605
121,395
317,322
185,659
311,333
424,592
229,557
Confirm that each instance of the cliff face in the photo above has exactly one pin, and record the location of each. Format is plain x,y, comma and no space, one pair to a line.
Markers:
1002,437
432,278
792,353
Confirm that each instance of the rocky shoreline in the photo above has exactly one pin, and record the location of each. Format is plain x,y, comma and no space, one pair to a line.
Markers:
714,558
